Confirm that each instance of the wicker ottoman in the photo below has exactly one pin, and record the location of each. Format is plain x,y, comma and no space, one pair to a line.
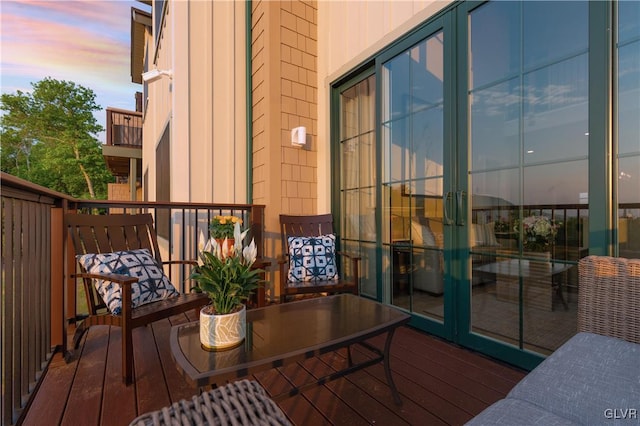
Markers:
240,403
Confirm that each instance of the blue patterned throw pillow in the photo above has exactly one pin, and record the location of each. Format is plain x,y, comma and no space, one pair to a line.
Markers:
312,259
152,283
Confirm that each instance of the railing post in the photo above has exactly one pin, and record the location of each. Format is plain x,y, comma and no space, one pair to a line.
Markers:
257,226
58,330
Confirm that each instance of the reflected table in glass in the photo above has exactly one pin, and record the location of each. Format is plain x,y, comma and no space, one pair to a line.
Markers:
537,281
282,334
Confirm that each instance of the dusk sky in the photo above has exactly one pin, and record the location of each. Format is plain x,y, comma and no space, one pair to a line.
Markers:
83,41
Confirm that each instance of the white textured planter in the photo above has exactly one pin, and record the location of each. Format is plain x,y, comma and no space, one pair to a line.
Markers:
218,332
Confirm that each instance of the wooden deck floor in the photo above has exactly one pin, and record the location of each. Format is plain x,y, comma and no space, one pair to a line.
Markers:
439,383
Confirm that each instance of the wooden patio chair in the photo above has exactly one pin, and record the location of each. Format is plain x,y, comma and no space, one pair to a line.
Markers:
301,248
104,235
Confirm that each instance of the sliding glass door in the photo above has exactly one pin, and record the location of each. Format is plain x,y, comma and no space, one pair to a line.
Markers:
627,113
481,156
413,177
527,170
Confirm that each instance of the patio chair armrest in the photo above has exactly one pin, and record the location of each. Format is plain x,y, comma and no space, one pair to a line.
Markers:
180,262
283,263
123,280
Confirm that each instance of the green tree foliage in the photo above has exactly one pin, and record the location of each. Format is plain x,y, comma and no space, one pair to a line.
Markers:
49,138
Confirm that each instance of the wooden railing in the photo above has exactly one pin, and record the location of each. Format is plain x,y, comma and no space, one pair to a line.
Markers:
29,257
39,298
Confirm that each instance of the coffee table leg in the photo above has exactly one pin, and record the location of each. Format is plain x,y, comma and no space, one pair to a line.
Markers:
387,369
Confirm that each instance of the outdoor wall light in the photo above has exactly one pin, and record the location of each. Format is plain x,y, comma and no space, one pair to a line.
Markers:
155,74
299,136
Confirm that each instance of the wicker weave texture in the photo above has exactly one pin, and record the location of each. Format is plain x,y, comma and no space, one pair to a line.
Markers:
240,403
609,297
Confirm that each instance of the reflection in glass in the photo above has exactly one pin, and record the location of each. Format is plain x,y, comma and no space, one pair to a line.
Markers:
399,153
494,39
427,135
413,141
556,184
555,112
628,111
629,99
553,30
529,165
358,178
628,20
495,113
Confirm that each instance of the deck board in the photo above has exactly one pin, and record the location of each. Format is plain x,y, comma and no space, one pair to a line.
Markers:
85,397
117,404
439,383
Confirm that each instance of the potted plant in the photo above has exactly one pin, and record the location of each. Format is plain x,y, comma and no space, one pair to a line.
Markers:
223,227
225,273
538,232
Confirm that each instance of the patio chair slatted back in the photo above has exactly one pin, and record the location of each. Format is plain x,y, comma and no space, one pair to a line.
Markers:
304,226
115,232
313,226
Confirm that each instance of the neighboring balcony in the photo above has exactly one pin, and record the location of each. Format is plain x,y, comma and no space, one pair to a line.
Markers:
123,149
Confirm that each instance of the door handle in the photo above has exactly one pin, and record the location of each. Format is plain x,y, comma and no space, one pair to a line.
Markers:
460,214
446,220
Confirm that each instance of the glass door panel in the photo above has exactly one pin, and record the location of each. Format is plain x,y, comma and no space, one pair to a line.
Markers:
628,111
358,178
527,178
413,177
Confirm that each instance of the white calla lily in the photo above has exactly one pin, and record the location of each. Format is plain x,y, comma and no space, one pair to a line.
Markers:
225,248
209,246
201,242
215,248
202,246
237,236
250,252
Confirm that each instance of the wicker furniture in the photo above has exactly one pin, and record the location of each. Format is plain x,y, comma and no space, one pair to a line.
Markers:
240,403
609,297
118,232
313,226
593,378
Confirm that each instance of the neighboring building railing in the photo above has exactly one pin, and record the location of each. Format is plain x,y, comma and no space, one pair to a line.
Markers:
124,128
37,258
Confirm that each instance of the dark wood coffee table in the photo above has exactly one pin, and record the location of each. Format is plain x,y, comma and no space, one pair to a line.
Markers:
282,334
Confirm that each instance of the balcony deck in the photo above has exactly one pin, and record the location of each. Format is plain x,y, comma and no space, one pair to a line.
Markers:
439,383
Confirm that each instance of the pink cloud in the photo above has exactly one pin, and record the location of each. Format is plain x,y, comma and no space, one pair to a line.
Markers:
39,47
93,12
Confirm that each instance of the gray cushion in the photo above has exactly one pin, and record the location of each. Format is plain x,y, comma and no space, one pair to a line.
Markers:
585,379
512,411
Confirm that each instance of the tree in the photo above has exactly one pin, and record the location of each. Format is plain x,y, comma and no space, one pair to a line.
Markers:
49,138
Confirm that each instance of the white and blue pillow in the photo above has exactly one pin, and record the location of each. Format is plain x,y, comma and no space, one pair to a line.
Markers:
312,259
152,283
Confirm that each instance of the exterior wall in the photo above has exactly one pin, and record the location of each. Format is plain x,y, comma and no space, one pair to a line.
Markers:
284,74
204,102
